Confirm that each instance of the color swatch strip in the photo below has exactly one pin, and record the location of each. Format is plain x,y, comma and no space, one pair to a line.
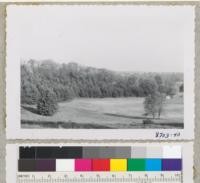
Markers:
98,158
71,165
74,152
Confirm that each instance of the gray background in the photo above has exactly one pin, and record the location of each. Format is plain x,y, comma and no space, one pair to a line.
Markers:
3,140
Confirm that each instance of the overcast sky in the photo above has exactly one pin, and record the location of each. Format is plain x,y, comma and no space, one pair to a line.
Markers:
122,38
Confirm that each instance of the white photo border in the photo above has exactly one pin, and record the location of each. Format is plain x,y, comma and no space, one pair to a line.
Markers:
13,121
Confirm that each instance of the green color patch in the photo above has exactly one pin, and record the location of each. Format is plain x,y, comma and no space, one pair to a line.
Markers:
136,164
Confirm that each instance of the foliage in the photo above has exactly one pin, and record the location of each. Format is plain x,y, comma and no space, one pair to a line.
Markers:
148,86
153,104
67,81
181,89
47,104
29,90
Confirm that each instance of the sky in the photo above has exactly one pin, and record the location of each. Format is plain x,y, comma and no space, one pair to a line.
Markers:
120,38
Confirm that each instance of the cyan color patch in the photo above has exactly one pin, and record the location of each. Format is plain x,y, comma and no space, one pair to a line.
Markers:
153,165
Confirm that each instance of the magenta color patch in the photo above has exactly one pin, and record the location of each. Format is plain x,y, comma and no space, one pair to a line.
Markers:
83,165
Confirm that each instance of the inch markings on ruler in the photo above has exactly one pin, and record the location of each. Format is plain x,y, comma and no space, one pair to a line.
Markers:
106,177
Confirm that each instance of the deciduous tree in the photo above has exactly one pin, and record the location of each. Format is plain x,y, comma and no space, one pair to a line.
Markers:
154,104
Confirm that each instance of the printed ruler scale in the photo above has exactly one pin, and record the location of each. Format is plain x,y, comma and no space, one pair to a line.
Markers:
72,177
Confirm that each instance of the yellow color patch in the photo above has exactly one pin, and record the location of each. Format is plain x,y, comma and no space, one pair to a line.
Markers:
118,165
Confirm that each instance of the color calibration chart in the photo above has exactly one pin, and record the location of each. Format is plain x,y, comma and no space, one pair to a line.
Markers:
100,164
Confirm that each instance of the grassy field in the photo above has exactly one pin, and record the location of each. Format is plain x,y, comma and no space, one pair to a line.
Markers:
103,113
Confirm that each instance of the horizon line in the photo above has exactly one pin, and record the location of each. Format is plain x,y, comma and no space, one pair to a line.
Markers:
71,62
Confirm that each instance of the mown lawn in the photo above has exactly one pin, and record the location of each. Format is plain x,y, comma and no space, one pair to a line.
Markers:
103,113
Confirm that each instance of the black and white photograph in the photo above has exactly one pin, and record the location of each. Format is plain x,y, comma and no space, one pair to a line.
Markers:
72,95
102,67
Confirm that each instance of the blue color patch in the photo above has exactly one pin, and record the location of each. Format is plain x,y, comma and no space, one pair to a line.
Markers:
153,165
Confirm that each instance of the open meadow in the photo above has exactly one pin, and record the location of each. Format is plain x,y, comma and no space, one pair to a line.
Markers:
104,113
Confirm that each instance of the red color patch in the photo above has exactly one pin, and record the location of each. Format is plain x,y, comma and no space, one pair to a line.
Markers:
101,165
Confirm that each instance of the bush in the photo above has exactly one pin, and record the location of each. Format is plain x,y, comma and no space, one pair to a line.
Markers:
147,121
47,103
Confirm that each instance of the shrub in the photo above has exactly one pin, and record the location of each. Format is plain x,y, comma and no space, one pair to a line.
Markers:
47,103
147,121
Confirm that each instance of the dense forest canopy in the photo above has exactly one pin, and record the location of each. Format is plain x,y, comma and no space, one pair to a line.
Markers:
67,81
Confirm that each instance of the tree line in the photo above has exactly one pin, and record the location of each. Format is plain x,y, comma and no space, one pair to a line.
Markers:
47,80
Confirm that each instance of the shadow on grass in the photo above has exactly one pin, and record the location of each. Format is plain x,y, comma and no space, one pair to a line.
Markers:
30,124
31,109
149,122
126,116
60,124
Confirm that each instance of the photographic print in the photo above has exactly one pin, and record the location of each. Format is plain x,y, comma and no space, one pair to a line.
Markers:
101,67
72,95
